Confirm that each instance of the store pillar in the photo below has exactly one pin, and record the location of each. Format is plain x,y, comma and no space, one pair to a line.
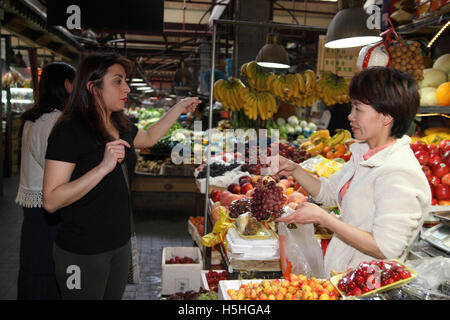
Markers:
248,40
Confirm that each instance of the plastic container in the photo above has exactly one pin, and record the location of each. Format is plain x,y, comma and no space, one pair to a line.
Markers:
335,280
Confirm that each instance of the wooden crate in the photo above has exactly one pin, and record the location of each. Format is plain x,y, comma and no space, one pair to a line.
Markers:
256,265
163,184
339,61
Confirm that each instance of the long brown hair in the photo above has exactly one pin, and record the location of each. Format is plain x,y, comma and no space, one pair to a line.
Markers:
82,104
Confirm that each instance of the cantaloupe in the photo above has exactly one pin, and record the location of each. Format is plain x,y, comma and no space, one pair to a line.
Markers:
443,63
428,96
433,78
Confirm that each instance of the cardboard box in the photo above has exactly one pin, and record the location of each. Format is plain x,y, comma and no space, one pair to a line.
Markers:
339,61
181,277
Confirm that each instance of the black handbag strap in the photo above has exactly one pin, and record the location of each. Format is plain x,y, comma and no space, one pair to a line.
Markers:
127,181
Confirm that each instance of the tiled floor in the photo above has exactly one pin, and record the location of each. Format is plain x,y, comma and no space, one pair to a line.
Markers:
153,235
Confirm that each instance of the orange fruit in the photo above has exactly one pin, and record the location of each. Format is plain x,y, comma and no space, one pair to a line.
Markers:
443,94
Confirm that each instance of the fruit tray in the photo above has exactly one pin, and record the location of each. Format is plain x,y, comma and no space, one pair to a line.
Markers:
335,280
262,233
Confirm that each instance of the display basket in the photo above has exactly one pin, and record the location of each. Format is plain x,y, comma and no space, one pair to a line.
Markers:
335,280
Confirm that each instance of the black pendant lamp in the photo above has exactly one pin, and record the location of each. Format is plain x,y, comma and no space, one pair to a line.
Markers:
273,55
349,29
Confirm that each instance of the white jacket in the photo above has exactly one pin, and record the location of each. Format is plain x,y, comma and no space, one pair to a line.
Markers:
389,197
34,146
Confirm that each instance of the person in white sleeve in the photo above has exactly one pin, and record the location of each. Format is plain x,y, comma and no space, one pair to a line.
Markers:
382,192
36,280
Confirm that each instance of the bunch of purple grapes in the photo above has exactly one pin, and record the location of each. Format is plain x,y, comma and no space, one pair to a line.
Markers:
238,207
267,201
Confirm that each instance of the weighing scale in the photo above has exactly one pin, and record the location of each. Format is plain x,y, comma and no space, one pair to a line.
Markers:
439,235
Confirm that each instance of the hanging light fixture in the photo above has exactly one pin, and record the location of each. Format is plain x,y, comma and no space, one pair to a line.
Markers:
273,55
349,29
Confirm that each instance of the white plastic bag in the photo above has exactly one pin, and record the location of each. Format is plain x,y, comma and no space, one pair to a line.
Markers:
300,251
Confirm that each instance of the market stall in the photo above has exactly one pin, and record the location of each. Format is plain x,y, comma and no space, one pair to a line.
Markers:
241,203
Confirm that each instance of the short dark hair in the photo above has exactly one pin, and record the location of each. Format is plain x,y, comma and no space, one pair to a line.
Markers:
52,92
389,92
82,104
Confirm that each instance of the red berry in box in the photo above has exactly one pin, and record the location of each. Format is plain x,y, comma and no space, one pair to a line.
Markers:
357,292
405,274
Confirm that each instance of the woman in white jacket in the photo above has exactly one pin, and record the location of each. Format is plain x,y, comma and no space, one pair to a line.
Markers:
381,192
36,279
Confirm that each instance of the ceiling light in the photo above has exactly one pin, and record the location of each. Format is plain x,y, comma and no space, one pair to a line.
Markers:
349,29
137,84
143,88
272,55
137,80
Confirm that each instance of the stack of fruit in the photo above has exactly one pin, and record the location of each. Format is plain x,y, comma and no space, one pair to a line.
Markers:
180,260
198,223
407,57
213,278
321,139
371,276
293,153
291,287
435,161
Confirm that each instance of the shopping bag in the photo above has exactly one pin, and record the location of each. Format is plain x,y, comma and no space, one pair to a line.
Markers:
300,251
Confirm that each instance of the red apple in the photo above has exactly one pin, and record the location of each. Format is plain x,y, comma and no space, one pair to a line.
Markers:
442,192
446,179
435,181
427,171
441,170
244,179
434,202
234,188
446,158
246,187
215,195
444,145
418,145
422,157
434,160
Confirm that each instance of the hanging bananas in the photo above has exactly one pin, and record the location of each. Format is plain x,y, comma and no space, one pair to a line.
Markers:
256,77
258,104
228,93
333,89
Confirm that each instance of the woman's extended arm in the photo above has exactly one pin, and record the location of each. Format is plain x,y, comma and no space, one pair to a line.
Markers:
146,139
57,189
359,239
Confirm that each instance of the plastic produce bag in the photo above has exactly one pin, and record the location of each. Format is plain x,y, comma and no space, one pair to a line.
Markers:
300,251
219,230
327,167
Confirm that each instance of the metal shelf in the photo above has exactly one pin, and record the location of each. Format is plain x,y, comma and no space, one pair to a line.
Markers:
434,109
424,22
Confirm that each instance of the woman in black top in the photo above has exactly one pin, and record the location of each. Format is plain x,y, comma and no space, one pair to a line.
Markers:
84,180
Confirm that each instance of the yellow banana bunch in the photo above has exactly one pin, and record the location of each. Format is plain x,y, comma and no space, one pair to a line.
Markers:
333,89
258,104
341,136
228,93
285,87
257,78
